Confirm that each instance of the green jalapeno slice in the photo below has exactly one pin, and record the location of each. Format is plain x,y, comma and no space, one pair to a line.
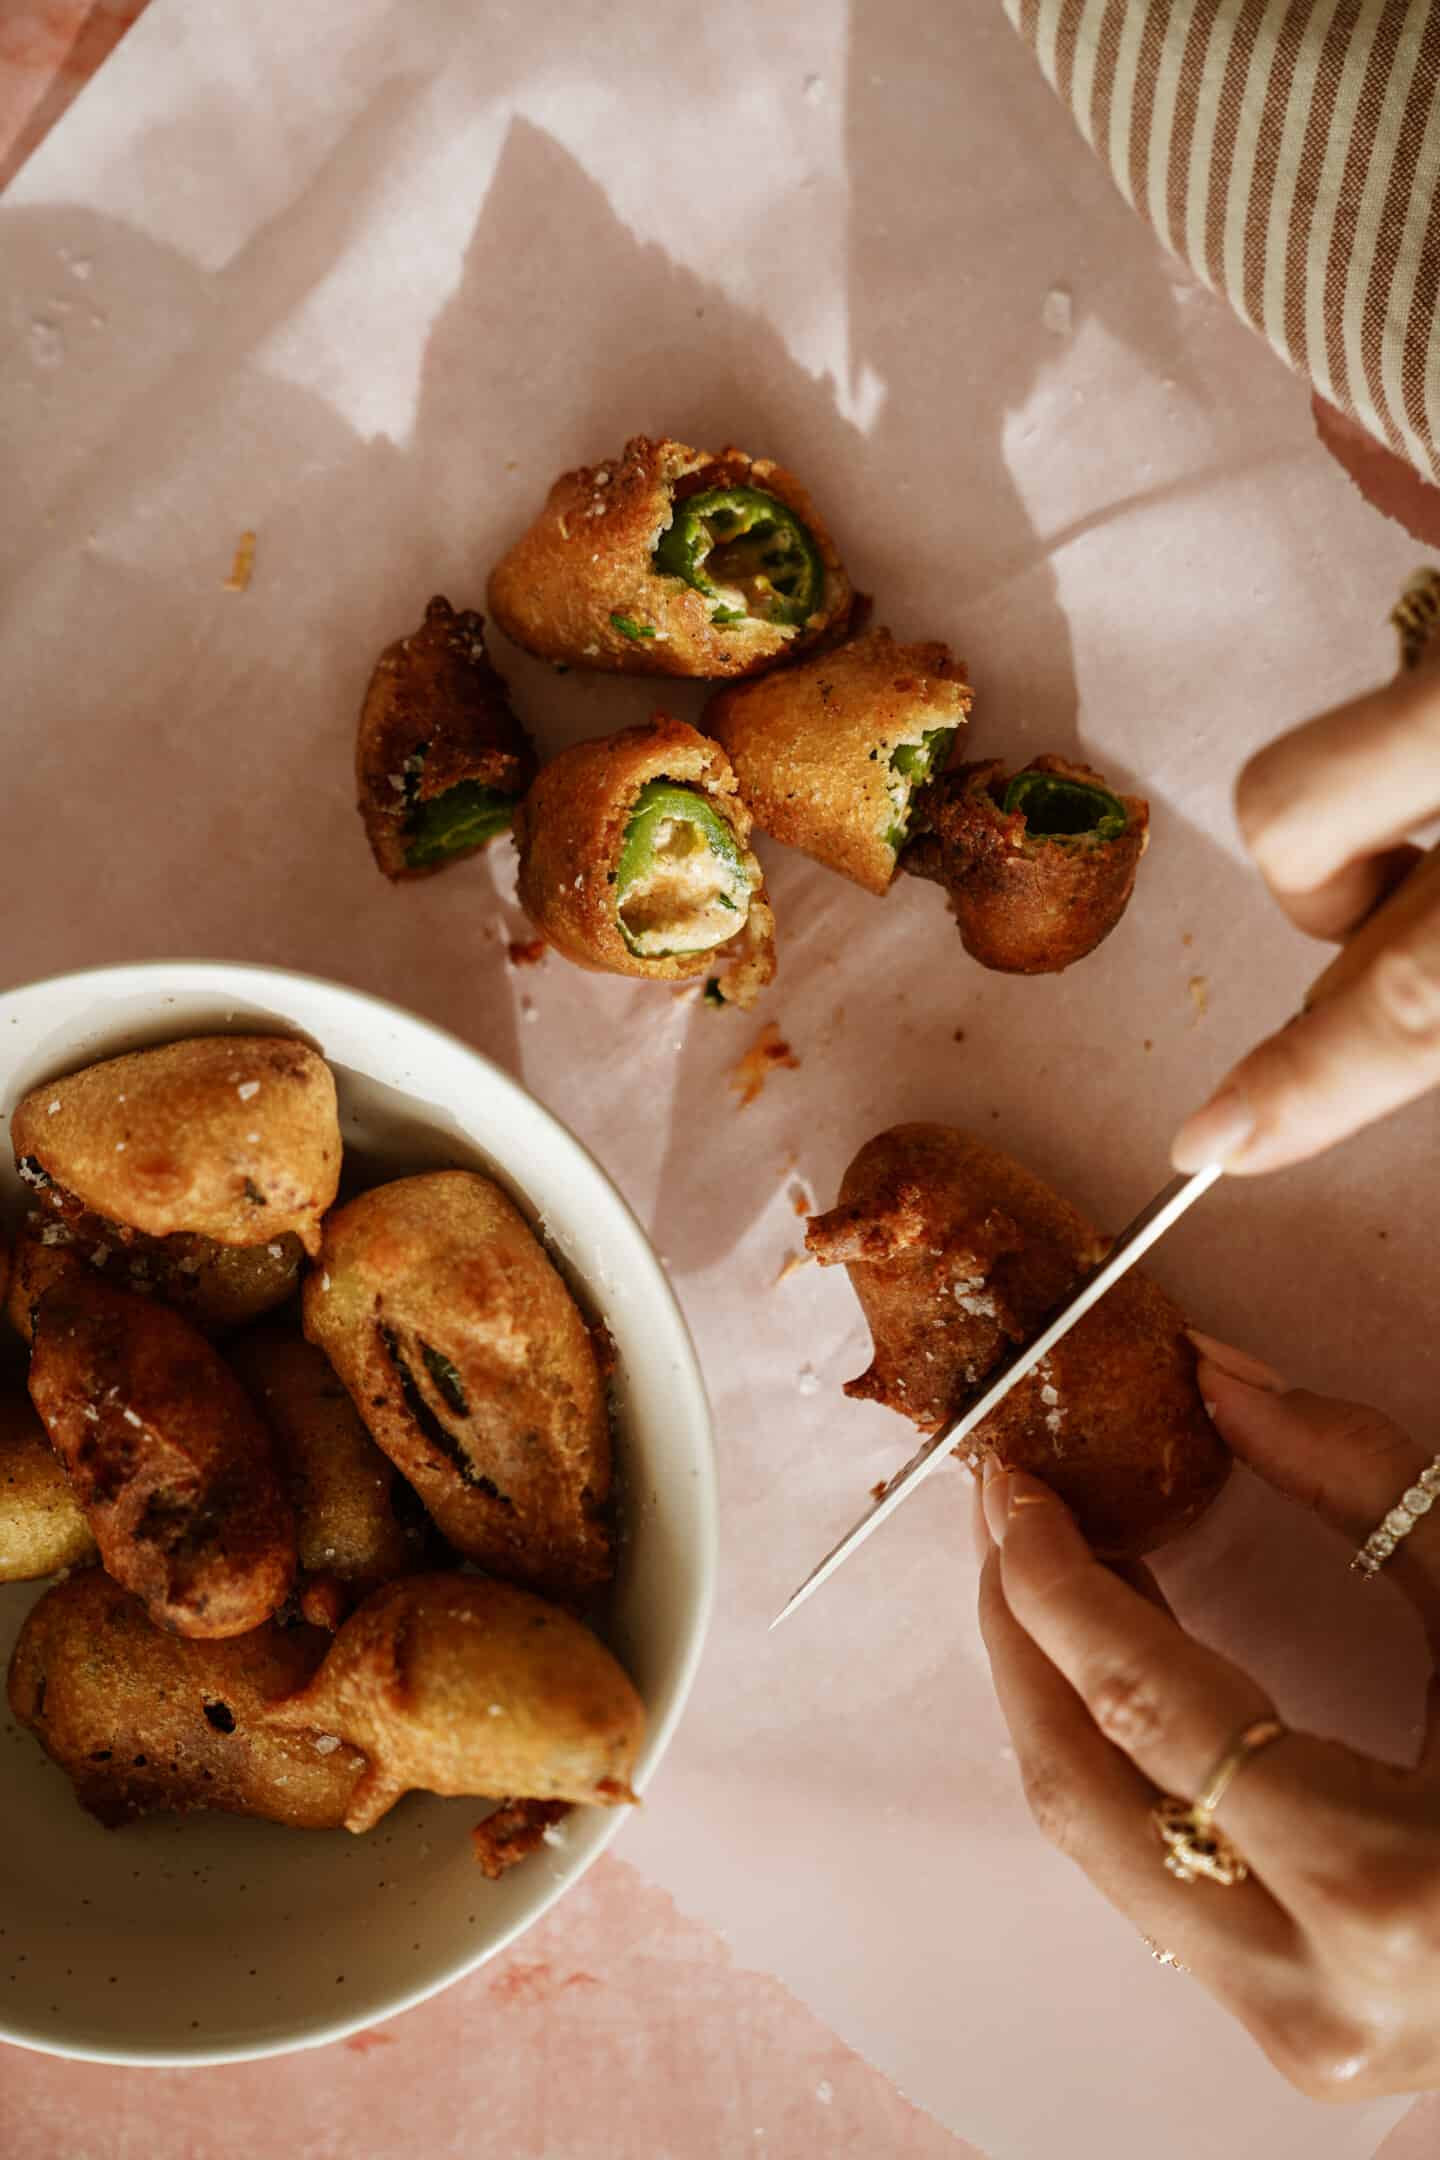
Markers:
1057,808
911,765
681,883
747,553
464,818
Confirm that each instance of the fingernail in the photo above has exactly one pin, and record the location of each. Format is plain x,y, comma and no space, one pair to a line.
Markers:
1214,1134
1006,1493
979,1528
996,1499
1238,1364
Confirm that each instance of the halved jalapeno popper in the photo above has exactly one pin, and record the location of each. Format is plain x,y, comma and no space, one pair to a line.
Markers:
440,758
830,753
1039,865
672,561
956,1252
635,860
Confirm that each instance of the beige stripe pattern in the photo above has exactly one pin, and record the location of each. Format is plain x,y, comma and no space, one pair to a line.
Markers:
1289,150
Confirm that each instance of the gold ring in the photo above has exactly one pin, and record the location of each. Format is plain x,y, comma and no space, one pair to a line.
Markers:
1416,616
1164,1957
1194,1847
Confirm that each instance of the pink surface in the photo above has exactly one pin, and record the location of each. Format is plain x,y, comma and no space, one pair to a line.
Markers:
368,310
617,2027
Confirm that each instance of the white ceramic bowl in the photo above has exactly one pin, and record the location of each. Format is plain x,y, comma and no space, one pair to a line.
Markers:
209,1939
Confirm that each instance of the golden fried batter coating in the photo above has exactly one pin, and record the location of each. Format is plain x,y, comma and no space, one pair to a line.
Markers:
813,747
1026,903
437,718
342,1489
955,1252
217,1287
144,1722
233,1137
581,585
165,1454
466,1357
42,1525
571,831
455,1684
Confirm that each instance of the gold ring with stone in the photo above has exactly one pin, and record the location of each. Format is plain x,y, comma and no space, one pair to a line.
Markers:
1194,1847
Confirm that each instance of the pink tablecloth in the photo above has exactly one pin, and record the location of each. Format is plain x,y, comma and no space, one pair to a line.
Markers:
622,2026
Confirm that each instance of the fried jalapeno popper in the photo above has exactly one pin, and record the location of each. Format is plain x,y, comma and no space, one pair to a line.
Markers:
672,561
230,1137
446,1684
42,1524
453,1684
166,1456
349,1538
829,753
955,1253
440,758
1039,867
469,1363
217,1287
143,1721
635,860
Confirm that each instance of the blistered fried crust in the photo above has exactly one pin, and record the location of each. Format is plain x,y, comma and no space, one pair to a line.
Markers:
165,1454
217,1287
586,560
232,1137
811,745
1024,904
465,1355
435,714
570,830
956,1252
42,1525
341,1488
144,1722
455,1684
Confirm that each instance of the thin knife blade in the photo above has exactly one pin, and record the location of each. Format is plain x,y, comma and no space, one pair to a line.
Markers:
1150,1224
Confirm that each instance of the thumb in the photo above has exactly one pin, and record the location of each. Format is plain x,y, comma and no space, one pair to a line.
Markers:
1349,1463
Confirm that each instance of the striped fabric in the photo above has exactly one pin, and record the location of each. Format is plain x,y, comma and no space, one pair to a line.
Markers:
1289,150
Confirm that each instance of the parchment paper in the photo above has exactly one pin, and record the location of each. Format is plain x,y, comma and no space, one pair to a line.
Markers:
362,279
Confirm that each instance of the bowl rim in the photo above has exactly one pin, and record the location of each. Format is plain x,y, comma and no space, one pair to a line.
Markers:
199,977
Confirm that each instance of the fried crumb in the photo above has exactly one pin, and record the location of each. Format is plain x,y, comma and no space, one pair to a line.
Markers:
879,1489
242,566
1188,938
513,1832
796,1260
958,1036
526,952
801,1199
768,1052
1199,988
1148,1044
607,1356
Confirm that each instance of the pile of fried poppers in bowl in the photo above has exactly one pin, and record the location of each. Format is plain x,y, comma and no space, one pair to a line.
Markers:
635,858
327,1484
635,855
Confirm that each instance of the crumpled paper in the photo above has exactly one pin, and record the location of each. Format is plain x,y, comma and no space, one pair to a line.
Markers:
360,280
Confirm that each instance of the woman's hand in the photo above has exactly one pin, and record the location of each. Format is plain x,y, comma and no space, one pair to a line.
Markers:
1325,811
1329,1954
